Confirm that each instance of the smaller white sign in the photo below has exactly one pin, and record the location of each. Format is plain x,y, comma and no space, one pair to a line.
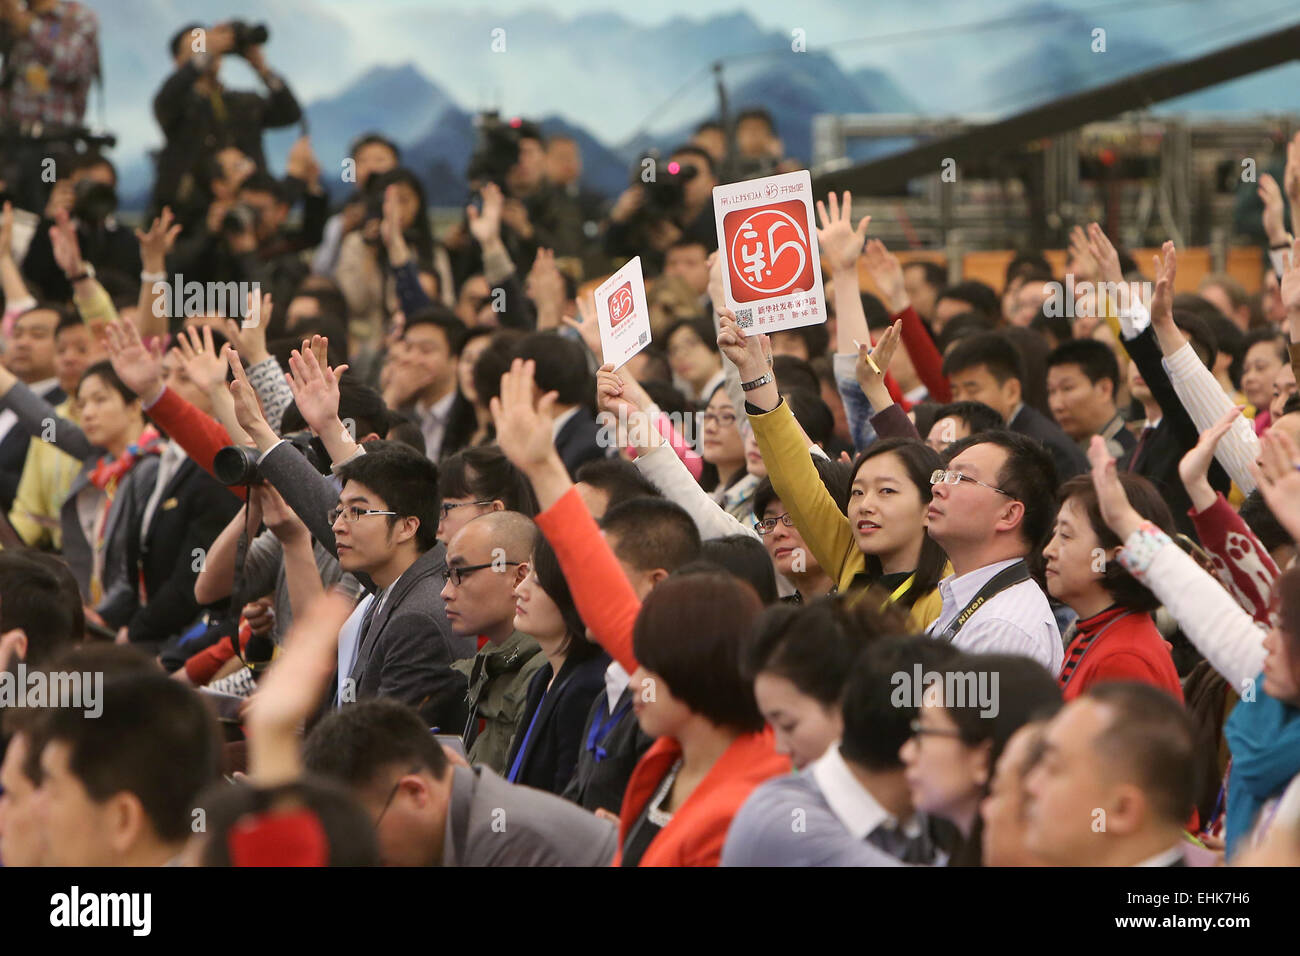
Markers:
623,313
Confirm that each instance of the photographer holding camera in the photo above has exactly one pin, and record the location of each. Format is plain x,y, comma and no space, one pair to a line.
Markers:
199,116
665,203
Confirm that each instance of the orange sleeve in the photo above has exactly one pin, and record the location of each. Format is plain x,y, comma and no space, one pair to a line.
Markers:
202,436
600,589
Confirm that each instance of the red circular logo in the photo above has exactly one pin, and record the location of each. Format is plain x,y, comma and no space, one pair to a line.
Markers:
768,251
620,303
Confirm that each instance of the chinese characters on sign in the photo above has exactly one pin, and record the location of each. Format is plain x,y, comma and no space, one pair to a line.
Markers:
623,314
768,240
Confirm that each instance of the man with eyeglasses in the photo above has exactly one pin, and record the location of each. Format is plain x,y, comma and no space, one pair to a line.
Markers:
486,560
385,525
990,509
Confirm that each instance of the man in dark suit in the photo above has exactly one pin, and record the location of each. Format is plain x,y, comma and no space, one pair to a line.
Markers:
562,368
1116,782
30,356
385,525
987,368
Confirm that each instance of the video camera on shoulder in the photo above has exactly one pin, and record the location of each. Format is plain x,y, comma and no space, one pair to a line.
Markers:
497,150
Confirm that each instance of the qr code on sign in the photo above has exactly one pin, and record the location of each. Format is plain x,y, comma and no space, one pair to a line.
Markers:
745,318
642,338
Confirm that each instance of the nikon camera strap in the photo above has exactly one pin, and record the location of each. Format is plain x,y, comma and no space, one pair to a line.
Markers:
1006,578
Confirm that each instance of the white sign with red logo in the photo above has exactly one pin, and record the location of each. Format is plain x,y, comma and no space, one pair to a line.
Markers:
623,314
771,267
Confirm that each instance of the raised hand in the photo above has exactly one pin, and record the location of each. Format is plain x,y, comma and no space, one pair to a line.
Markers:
302,163
1162,300
315,388
873,364
7,231
247,411
1104,255
587,324
291,690
1194,467
524,425
139,368
390,230
545,286
485,226
1274,215
1115,508
1290,288
67,249
1291,176
1081,258
158,241
202,363
838,240
1277,473
258,311
747,352
888,275
278,516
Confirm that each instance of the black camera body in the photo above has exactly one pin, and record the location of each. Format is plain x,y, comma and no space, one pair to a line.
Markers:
665,194
248,35
239,219
93,202
236,465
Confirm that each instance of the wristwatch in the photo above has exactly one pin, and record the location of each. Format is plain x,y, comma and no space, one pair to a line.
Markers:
758,382
87,272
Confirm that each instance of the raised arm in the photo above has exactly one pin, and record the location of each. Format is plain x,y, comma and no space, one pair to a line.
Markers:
1225,634
601,590
37,417
888,274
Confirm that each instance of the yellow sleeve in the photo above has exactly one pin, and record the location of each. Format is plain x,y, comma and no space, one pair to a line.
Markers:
31,500
824,527
95,308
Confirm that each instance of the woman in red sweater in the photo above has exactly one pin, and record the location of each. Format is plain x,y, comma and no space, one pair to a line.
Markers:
682,649
1115,637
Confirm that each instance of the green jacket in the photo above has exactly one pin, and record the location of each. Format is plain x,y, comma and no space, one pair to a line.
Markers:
498,678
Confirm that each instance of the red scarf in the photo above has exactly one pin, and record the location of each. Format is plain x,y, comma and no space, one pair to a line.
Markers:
108,471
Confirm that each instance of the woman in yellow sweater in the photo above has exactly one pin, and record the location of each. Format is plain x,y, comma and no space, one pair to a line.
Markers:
882,540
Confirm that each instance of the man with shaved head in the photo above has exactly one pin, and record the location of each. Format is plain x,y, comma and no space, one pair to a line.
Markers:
486,560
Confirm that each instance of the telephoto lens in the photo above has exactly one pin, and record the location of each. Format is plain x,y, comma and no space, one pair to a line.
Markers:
236,465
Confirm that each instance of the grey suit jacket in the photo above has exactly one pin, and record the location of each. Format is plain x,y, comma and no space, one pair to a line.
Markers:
494,823
408,648
306,491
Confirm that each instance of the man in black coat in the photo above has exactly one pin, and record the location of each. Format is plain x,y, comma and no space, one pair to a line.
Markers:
987,368
562,368
199,116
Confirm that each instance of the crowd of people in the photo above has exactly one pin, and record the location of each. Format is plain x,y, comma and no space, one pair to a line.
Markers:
377,561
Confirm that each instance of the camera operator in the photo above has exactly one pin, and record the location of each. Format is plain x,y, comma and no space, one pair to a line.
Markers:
371,155
650,216
249,239
51,55
199,116
88,194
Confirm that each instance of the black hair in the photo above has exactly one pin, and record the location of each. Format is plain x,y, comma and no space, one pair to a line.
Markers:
372,139
816,340
347,830
812,414
960,326
1057,327
404,480
757,113
493,362
420,233
695,152
104,371
1095,360
993,350
1033,350
1152,736
933,274
691,632
263,182
668,397
484,473
979,296
652,533
442,317
877,719
36,599
814,645
551,579
920,461
792,372
702,327
561,366
1260,519
179,37
1198,330
742,556
1147,502
357,744
877,316
618,478
977,416
1025,263
709,125
1027,476
153,738
658,373
1230,341
69,320
1292,403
